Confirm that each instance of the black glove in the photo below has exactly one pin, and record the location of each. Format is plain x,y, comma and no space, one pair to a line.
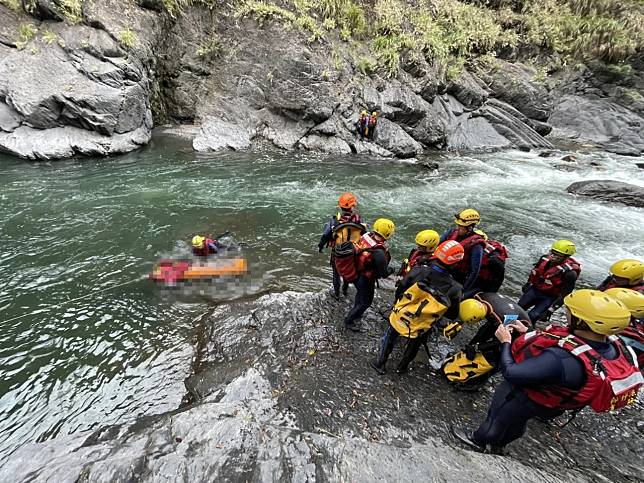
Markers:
526,287
470,352
320,248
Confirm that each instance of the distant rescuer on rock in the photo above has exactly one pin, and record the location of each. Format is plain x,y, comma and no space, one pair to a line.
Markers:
362,125
561,368
423,297
626,273
553,277
371,127
362,263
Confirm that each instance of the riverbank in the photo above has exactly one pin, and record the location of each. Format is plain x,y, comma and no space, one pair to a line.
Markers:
250,75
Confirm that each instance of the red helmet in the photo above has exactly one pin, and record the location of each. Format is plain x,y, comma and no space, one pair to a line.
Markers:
347,201
449,252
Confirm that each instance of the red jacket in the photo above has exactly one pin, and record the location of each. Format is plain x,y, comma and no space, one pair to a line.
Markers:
365,246
610,384
492,249
548,278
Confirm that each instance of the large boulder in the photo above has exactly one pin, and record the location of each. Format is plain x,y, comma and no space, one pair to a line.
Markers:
608,190
600,122
394,139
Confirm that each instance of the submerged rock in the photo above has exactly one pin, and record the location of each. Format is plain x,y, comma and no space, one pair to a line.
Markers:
608,190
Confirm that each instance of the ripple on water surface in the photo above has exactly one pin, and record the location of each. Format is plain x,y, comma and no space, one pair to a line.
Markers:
96,345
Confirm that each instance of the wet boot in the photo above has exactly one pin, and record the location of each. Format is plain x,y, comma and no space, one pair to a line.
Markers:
467,439
387,343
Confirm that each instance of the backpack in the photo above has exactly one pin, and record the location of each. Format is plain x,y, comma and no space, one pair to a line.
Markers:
349,256
347,231
417,310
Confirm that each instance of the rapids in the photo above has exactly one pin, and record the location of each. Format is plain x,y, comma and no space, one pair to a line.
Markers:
86,341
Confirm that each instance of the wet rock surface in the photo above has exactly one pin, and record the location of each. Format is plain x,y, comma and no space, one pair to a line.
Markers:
608,190
282,393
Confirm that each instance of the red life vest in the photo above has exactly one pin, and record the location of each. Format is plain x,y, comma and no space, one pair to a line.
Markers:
205,250
460,269
352,259
366,245
610,384
611,284
548,279
492,249
416,257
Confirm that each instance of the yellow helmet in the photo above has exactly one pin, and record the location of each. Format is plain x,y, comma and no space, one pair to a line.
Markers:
384,227
428,239
468,217
565,247
602,313
472,311
364,113
374,113
633,300
198,241
482,233
631,269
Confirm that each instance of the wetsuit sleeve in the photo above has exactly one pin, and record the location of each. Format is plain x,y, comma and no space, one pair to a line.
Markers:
476,255
214,246
551,367
602,286
380,263
444,235
454,295
326,234
567,286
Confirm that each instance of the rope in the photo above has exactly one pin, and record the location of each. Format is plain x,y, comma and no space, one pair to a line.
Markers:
48,308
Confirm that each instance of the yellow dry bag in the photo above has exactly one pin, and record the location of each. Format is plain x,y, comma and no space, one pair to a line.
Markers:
417,310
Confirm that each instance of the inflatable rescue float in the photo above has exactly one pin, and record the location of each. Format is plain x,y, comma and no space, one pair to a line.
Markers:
171,272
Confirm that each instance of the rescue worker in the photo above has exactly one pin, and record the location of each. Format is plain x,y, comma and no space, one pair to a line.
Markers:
371,129
345,225
626,273
553,277
426,242
562,368
492,271
203,246
371,262
633,335
466,271
426,294
479,360
362,124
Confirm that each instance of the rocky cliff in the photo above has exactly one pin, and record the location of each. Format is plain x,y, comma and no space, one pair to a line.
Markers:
89,77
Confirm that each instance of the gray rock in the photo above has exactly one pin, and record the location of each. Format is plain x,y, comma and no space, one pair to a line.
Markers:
9,118
404,106
475,133
608,190
217,134
569,158
469,90
323,144
513,84
391,137
599,122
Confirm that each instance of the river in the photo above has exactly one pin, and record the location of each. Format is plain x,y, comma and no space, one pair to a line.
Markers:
86,341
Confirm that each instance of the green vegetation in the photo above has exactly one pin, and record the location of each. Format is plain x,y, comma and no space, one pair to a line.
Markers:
451,33
26,32
49,37
127,38
13,4
72,10
211,49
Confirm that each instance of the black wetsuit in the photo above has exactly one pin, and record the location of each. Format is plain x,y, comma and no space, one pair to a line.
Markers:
511,409
366,286
437,277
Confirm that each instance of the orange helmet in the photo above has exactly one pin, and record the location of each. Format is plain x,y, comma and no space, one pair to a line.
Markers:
347,200
449,252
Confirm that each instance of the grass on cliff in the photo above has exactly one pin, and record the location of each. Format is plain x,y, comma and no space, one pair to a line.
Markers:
449,33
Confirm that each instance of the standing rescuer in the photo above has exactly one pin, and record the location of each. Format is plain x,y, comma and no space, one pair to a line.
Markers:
553,277
626,273
426,243
362,263
346,225
425,295
559,369
466,271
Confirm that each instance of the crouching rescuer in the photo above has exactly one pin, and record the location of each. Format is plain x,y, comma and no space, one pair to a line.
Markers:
363,263
560,368
425,295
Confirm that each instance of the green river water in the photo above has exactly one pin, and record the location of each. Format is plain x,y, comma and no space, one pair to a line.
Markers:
86,341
